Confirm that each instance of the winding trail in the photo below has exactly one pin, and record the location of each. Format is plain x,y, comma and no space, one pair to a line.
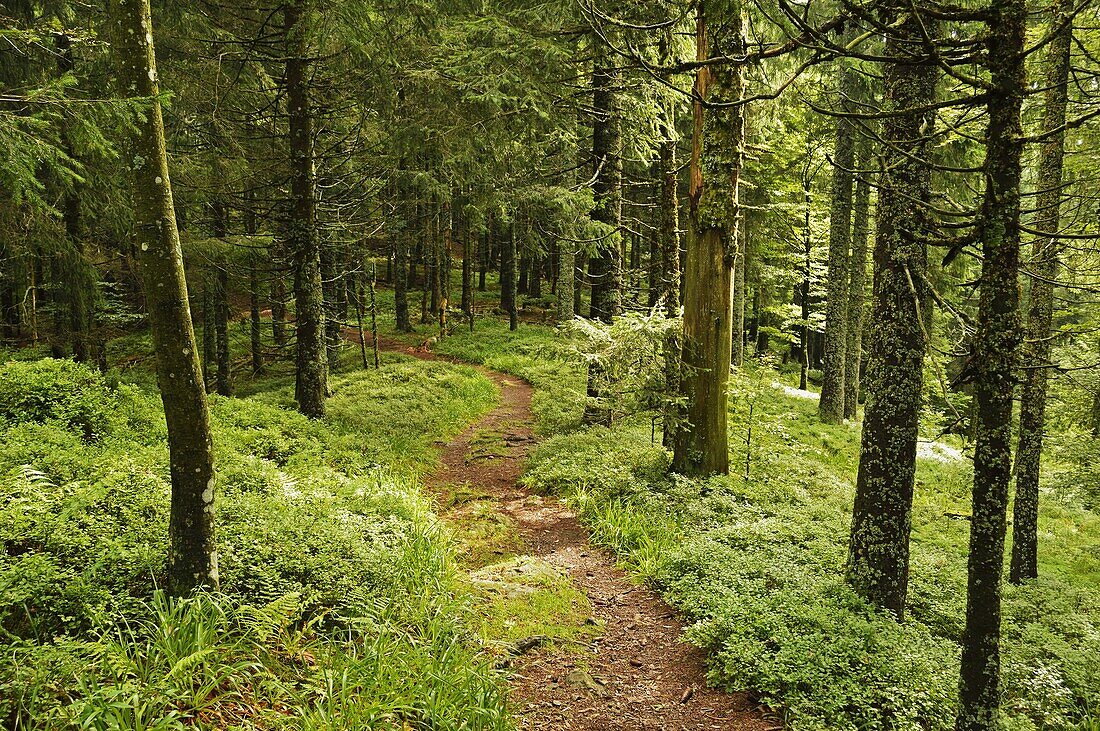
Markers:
638,674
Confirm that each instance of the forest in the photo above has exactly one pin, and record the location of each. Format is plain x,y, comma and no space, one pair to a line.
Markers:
500,365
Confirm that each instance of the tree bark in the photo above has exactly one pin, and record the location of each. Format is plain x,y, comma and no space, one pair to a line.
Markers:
857,283
605,269
508,277
701,442
192,552
1044,265
311,376
878,556
995,350
831,404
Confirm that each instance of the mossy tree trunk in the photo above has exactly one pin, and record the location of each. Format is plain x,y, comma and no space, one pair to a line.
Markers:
878,556
192,552
831,404
995,350
311,373
1044,266
701,442
857,282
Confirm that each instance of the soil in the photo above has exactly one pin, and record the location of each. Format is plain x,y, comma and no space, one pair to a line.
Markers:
637,673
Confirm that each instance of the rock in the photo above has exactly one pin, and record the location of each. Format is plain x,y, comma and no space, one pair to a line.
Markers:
582,679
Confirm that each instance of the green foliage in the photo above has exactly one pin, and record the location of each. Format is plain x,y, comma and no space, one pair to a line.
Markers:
757,566
55,391
340,609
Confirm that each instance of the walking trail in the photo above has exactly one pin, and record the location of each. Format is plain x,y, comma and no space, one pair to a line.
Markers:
638,674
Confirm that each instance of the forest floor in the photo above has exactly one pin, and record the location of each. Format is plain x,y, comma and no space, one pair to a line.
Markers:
635,673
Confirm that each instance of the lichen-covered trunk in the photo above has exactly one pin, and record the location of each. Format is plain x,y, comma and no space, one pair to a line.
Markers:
995,359
1044,266
878,556
700,446
192,552
831,404
311,372
857,283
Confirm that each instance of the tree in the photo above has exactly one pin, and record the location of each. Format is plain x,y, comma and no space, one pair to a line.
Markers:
1044,265
311,374
701,443
878,553
994,365
192,553
857,283
831,403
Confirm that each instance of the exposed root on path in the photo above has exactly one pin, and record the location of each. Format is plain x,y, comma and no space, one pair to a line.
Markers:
636,673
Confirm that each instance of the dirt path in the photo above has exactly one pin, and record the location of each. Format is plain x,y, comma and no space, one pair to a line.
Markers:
638,675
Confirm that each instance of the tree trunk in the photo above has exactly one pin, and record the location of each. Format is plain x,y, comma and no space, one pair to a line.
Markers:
605,269
701,443
192,552
1044,265
278,300
857,283
667,282
223,379
401,279
995,349
508,277
830,407
878,555
737,327
209,330
311,376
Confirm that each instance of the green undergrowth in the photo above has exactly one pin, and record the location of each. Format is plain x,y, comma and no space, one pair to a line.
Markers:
342,604
535,353
756,563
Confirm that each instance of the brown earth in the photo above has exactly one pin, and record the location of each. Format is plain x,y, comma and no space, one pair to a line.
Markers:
637,673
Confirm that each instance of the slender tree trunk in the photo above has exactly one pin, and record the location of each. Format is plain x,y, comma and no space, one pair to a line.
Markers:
1044,264
278,300
737,343
467,264
605,269
209,330
857,284
566,263
192,551
668,256
831,404
701,445
223,380
995,350
878,556
401,280
311,377
81,284
508,277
